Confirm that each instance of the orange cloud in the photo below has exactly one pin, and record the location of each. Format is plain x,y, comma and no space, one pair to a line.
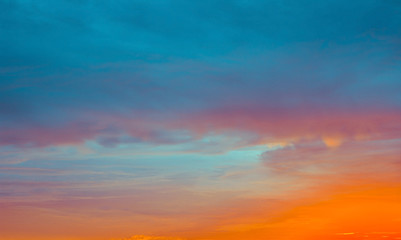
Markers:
333,142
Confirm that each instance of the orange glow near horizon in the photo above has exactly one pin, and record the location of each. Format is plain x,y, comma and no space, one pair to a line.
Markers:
370,214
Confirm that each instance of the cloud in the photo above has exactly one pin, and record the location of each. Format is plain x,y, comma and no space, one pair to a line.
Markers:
251,93
375,160
255,126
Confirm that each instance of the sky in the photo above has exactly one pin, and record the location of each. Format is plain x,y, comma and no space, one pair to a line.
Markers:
200,120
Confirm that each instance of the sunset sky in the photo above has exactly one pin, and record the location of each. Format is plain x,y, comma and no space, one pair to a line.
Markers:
200,120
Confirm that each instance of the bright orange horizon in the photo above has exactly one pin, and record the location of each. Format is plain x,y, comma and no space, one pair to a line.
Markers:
369,212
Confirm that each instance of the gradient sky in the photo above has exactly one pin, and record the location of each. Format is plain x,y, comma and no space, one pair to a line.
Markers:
200,120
